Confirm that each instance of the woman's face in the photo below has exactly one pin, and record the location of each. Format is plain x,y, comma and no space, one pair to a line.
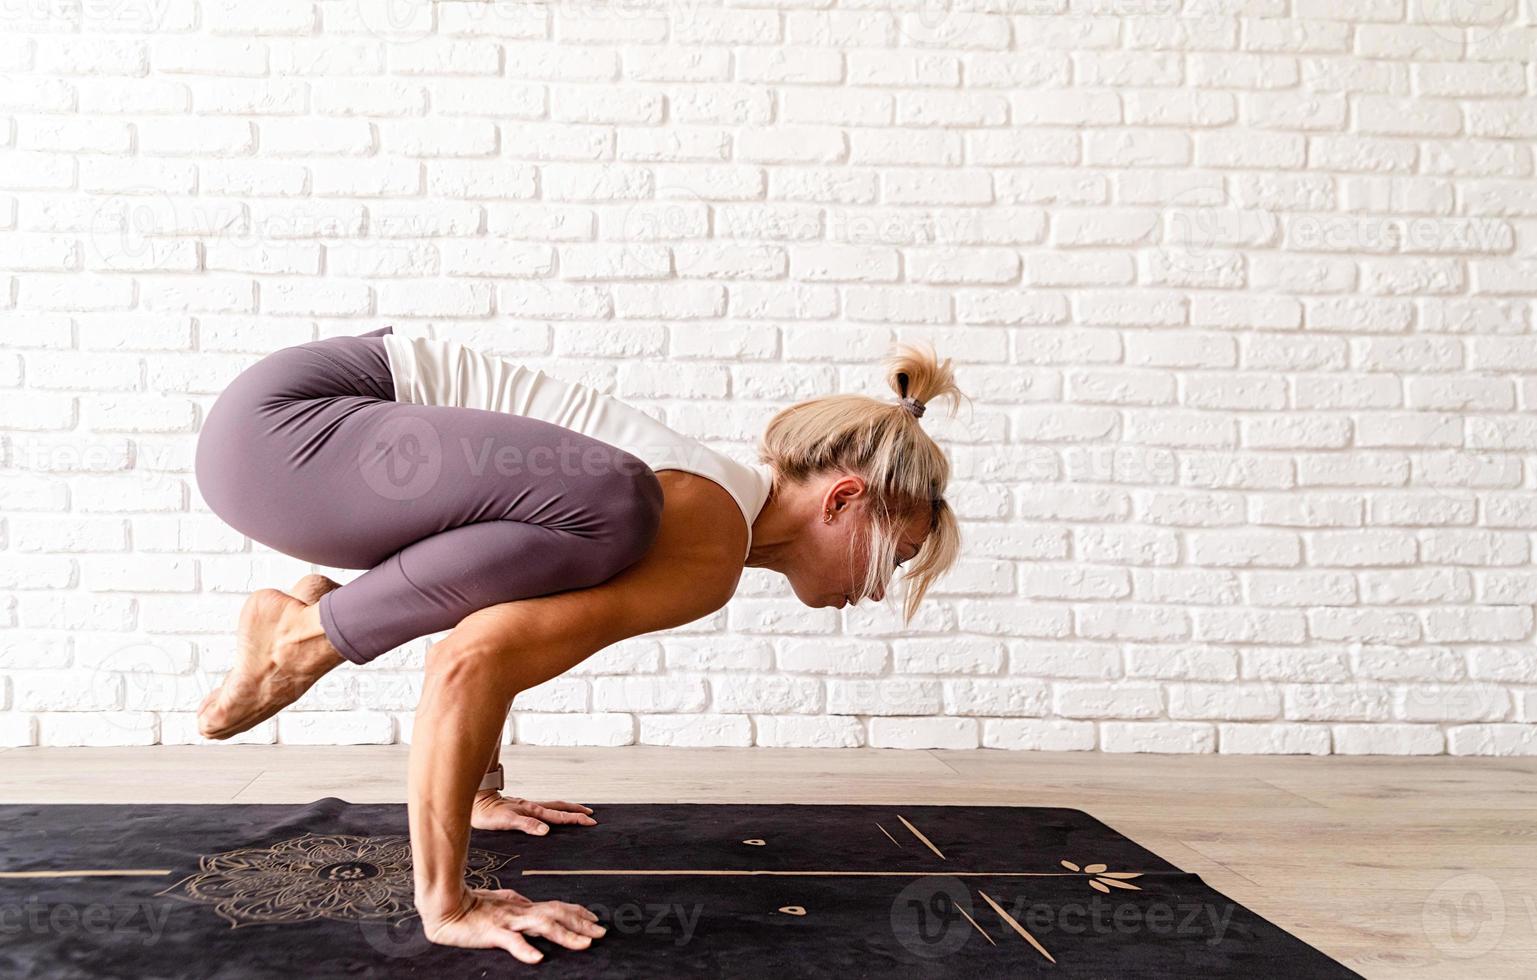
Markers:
832,558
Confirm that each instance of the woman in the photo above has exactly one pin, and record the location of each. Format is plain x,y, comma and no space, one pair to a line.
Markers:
540,521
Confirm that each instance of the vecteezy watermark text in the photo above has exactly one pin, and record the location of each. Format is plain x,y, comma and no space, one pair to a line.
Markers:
408,455
37,917
650,918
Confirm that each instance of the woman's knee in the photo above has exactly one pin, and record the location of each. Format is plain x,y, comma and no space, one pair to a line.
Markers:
221,460
634,504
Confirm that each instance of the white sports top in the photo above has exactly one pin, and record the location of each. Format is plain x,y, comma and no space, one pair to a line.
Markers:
445,372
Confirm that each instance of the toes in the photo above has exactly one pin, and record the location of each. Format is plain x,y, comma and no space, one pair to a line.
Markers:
209,717
214,730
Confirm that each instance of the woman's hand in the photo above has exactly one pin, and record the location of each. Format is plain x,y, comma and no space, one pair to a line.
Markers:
500,918
493,811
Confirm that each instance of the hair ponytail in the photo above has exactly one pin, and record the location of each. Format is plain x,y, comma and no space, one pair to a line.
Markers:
918,374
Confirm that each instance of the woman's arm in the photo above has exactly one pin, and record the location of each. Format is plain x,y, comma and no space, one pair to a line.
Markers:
690,571
473,674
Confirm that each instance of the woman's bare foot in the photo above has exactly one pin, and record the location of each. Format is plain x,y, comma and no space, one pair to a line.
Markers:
282,652
493,811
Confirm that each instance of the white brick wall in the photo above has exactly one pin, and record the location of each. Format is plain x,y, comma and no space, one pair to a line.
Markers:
1242,289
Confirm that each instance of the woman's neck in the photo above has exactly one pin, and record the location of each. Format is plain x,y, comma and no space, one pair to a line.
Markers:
774,531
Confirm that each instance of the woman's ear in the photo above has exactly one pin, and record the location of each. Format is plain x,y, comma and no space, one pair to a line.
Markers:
841,493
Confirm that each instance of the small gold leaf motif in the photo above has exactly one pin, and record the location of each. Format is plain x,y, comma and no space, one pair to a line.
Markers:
793,909
755,842
1106,879
1117,884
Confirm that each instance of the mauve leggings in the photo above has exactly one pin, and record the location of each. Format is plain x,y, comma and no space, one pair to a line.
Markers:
450,509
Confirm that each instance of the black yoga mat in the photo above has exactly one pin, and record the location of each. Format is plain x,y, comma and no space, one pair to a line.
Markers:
708,890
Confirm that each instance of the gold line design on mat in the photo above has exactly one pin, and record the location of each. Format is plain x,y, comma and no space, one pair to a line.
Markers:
644,872
1006,917
919,834
90,873
974,922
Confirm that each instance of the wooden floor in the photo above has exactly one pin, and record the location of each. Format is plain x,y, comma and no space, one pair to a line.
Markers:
1398,867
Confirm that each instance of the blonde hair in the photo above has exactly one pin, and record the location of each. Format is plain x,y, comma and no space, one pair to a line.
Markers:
905,471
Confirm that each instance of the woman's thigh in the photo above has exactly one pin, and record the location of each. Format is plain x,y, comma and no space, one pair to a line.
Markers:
294,458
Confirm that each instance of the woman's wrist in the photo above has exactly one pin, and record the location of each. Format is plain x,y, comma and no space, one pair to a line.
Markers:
485,798
438,905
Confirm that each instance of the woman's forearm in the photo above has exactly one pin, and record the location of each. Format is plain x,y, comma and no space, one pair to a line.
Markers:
457,727
472,676
465,697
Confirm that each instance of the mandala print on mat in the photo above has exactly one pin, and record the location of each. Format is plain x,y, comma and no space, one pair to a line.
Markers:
348,879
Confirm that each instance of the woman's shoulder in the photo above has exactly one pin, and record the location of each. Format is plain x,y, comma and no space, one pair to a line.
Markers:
708,520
